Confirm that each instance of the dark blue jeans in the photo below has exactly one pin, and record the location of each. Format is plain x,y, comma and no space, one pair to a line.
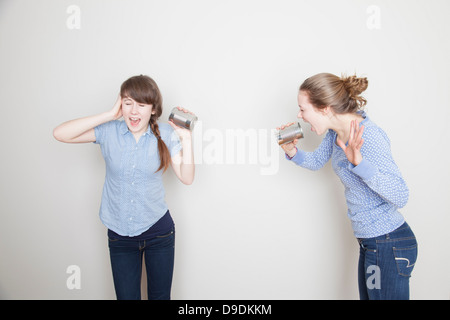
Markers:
385,265
126,262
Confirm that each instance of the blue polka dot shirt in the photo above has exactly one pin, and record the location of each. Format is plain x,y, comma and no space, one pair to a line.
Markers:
133,193
374,189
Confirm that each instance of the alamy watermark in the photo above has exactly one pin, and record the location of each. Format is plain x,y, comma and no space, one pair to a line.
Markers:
237,147
374,19
73,21
374,280
74,280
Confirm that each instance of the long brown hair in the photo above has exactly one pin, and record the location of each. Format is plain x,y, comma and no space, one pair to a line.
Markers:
144,89
343,94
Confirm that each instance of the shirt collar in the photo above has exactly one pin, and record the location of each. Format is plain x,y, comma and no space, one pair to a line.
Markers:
364,115
149,131
123,127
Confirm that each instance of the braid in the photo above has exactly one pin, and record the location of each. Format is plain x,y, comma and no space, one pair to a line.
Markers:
164,154
155,128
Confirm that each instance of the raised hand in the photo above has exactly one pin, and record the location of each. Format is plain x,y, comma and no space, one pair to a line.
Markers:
182,132
116,111
355,142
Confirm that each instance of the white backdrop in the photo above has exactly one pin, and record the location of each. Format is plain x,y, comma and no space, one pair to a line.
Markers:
253,225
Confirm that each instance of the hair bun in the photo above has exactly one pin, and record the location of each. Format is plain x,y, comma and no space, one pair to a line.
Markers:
354,85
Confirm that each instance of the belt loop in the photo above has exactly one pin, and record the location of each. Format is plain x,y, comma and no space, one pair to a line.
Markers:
360,242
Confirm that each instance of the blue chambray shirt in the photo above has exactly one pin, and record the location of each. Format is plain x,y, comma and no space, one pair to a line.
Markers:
133,194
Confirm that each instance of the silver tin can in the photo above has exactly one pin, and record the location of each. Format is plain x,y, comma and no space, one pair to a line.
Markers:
289,134
183,119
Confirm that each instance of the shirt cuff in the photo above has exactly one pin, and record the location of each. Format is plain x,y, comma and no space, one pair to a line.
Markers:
289,157
97,135
365,169
298,158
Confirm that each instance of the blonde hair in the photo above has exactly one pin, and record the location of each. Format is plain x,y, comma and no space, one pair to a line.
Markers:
343,94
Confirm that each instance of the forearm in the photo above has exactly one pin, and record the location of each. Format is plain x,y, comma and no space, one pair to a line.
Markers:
69,131
187,166
313,160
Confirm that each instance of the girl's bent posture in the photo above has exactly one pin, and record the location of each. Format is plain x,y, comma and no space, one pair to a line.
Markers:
374,188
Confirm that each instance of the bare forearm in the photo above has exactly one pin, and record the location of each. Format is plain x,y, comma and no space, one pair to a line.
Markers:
69,131
82,130
187,167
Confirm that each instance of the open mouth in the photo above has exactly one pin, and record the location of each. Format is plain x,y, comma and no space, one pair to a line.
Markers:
135,121
312,129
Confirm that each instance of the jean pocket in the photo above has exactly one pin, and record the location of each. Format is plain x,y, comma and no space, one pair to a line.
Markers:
166,235
405,259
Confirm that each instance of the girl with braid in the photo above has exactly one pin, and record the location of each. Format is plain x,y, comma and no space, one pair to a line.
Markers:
137,151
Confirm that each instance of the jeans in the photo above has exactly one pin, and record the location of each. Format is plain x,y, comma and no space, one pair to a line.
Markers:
126,263
385,265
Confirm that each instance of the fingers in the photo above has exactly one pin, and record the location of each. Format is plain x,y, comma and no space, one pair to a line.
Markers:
289,124
360,133
356,133
353,149
118,101
116,111
288,146
360,144
173,125
184,110
285,126
352,132
341,144
176,127
358,140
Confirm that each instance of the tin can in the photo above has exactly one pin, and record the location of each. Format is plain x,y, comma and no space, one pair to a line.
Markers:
289,134
183,119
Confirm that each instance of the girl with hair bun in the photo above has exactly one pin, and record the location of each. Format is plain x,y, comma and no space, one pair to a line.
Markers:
374,188
137,151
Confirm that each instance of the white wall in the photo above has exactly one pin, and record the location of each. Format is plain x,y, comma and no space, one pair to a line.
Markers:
237,65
